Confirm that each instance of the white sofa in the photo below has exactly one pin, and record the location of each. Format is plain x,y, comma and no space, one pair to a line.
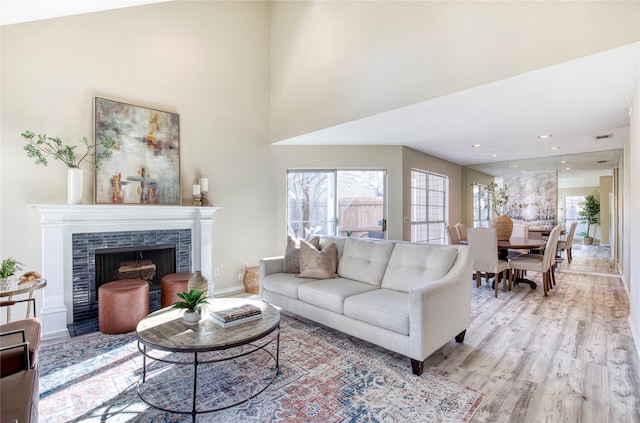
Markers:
406,297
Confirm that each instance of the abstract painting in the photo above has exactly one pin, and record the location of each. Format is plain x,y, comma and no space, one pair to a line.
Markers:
145,165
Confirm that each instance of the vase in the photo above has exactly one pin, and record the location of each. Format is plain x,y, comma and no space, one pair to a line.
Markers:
503,226
197,281
74,185
191,318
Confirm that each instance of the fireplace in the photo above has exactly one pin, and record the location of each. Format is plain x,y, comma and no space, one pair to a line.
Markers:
98,256
73,235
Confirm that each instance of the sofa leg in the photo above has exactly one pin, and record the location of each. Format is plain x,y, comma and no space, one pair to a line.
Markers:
460,336
417,367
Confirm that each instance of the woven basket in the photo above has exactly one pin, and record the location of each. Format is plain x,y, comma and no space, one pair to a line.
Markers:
251,280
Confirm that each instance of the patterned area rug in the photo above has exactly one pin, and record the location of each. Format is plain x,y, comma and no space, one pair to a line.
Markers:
324,376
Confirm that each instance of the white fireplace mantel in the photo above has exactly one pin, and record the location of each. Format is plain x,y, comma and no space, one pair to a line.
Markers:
61,221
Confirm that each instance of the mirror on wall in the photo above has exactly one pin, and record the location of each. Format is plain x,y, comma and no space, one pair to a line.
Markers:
578,175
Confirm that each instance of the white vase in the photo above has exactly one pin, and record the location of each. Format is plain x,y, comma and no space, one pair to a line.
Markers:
74,185
191,318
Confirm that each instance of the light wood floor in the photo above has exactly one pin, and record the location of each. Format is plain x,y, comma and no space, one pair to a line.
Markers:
568,357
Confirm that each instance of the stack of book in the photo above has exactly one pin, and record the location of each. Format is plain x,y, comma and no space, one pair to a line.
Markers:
235,316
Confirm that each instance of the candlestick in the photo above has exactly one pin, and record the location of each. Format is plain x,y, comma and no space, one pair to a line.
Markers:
204,184
196,189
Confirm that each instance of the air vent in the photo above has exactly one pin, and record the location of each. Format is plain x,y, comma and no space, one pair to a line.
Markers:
603,137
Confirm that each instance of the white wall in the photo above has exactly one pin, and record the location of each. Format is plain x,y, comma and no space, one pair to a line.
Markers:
207,61
631,224
337,61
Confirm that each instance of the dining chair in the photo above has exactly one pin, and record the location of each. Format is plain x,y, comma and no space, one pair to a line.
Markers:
565,244
462,230
554,256
536,262
520,230
454,239
484,250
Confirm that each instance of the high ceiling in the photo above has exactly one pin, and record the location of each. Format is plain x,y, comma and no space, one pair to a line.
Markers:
576,102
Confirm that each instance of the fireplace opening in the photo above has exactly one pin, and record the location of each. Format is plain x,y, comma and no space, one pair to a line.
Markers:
149,263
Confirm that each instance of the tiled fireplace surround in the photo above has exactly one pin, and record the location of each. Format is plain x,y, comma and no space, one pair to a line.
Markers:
72,233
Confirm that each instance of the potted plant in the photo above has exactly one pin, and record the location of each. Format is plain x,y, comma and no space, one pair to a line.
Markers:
41,147
8,268
192,304
590,214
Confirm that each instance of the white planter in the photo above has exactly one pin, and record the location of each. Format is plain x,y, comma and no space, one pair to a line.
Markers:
74,185
191,318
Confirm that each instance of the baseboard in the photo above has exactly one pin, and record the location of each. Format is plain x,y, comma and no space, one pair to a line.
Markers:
235,289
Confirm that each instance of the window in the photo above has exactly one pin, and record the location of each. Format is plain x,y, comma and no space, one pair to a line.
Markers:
428,207
572,210
481,203
336,202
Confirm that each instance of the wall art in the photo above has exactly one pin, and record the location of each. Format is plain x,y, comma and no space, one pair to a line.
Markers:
145,165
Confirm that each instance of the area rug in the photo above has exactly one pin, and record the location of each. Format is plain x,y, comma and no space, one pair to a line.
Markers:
324,376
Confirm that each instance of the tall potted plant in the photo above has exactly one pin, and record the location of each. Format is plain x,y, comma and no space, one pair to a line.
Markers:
41,147
590,214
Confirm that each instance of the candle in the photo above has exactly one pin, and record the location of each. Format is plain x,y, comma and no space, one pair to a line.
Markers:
204,184
196,189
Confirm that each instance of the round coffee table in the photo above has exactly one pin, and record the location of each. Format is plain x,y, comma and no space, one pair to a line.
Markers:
165,330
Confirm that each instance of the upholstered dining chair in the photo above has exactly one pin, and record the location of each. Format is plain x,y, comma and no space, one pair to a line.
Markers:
538,263
565,244
462,230
520,230
484,250
454,239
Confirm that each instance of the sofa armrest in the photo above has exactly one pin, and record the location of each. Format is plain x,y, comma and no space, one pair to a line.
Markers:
441,310
268,266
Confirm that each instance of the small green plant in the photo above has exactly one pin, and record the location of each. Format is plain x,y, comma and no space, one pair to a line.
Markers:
590,212
192,301
41,147
9,267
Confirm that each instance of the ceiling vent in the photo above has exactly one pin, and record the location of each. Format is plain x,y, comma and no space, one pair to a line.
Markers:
603,137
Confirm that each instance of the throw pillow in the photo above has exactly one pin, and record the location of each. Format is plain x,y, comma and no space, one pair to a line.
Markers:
292,253
318,264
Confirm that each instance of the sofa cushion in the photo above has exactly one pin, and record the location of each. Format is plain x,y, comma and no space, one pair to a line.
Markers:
412,265
318,264
338,240
292,253
364,261
383,308
330,294
284,284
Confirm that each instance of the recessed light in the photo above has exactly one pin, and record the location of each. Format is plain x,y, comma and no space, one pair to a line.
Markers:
567,168
476,145
554,148
495,155
514,166
544,136
563,161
